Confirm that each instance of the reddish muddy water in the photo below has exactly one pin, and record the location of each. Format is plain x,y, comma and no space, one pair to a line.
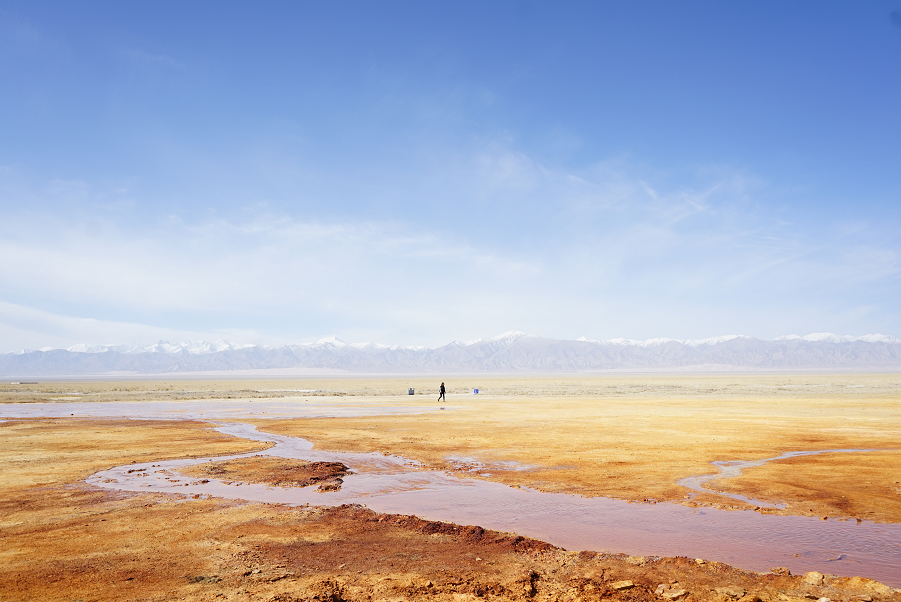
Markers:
745,539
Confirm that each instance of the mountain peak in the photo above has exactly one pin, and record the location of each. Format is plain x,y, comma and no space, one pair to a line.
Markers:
332,340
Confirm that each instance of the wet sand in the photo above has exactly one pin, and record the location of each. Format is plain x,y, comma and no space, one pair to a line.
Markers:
628,438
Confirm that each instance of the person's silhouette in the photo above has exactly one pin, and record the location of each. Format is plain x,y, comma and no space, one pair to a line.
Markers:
441,393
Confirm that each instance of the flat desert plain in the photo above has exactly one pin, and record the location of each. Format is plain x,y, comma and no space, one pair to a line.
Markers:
623,437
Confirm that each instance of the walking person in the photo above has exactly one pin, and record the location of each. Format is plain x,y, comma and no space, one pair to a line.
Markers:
441,393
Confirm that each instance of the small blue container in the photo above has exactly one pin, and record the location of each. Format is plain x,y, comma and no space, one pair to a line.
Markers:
475,391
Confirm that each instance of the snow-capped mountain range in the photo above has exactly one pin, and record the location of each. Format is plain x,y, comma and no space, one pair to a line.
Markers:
204,347
512,351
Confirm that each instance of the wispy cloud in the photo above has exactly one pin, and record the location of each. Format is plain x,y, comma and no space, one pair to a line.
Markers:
620,254
23,327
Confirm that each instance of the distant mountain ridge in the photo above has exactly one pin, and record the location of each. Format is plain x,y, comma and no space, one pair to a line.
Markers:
512,351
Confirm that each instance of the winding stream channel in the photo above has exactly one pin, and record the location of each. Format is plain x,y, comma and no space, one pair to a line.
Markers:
745,539
733,468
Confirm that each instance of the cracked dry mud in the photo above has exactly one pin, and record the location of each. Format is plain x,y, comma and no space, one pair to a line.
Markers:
61,539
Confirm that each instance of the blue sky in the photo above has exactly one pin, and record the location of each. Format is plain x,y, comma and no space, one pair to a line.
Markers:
418,172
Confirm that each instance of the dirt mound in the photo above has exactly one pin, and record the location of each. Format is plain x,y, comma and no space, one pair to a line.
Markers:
270,470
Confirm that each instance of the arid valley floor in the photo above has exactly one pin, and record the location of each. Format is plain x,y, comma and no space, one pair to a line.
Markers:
622,437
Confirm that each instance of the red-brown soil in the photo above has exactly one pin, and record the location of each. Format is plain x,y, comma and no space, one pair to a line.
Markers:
150,547
273,471
61,539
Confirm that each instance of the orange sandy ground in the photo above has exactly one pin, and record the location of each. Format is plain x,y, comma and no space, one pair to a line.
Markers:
63,540
60,539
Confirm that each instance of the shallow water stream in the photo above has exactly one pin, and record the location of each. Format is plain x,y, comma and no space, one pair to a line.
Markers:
745,539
